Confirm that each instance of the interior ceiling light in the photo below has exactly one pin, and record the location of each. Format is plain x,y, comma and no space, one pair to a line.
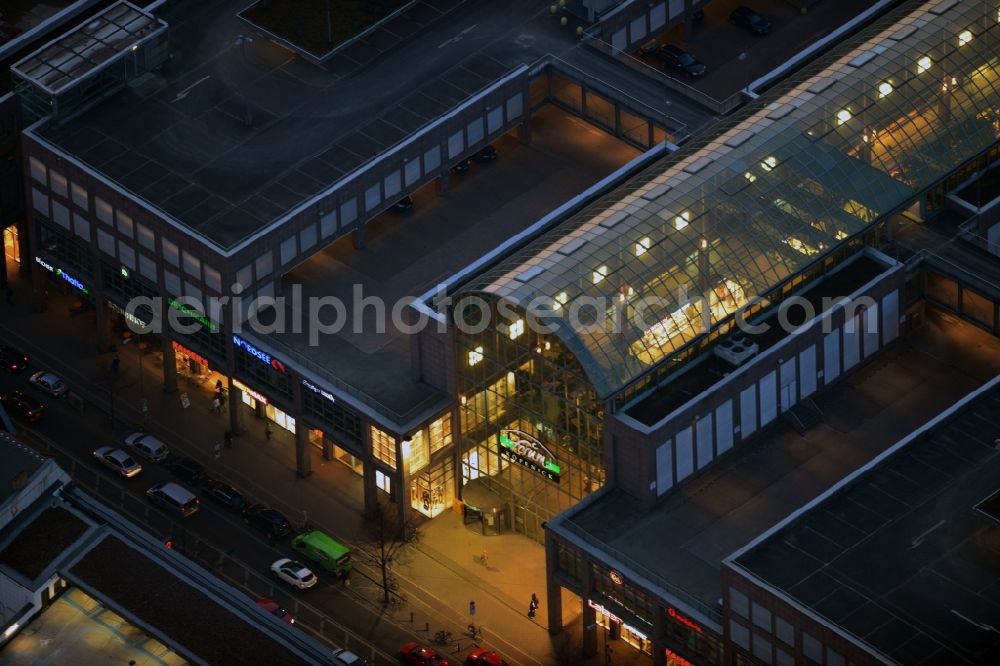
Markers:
642,246
843,116
600,273
884,89
964,37
769,163
749,176
923,64
682,220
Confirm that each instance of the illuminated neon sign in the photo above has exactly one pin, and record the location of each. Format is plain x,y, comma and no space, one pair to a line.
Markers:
674,658
257,353
614,618
61,273
249,391
522,448
315,389
131,318
683,620
615,577
191,312
190,354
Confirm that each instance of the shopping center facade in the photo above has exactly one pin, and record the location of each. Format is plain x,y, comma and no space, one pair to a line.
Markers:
639,284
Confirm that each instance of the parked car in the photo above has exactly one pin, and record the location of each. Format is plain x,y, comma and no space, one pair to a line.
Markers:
487,154
747,18
186,469
415,654
462,166
267,520
276,610
22,406
146,446
225,495
294,573
403,205
50,383
12,360
680,60
117,460
480,656
348,658
174,497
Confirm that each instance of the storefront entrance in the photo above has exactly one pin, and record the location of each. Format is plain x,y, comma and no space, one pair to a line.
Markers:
433,491
11,250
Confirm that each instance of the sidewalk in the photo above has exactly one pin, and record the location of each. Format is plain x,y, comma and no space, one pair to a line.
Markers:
439,577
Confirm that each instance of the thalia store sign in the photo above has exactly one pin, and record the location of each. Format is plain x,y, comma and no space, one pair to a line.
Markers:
61,273
522,448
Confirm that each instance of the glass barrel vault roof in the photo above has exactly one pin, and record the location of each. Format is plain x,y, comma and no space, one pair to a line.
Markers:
87,48
793,176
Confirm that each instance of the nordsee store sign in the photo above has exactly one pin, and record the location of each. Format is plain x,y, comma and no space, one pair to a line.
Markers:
522,448
258,354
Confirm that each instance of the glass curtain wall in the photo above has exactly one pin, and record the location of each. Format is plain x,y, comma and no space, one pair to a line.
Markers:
531,423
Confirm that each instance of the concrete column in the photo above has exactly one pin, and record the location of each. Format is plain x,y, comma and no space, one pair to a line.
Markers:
101,318
235,395
659,647
442,184
370,489
170,365
524,131
402,481
358,236
553,591
303,456
590,627
327,448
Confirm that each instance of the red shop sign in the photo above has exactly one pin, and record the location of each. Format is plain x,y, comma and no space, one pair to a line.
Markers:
683,620
190,354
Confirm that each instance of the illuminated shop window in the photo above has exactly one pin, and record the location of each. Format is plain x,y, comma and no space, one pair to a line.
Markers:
476,355
383,481
384,447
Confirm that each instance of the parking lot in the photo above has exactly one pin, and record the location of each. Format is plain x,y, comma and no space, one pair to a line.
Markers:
734,56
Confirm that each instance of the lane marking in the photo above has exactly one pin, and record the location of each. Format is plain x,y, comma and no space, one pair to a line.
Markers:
920,539
978,625
457,38
184,93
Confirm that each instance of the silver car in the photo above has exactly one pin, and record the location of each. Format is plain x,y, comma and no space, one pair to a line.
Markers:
146,446
117,460
50,383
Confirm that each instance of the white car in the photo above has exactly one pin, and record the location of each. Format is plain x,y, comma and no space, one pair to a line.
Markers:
344,656
294,573
49,383
146,446
117,460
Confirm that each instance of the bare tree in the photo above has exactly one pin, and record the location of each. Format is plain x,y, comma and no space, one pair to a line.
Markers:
386,541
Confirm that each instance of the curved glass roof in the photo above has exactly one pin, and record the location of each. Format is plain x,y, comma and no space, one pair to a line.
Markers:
702,232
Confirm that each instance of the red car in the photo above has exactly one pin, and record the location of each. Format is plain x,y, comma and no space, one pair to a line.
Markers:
274,609
483,657
416,654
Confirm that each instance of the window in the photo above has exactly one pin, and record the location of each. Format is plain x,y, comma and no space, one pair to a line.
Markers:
739,603
328,224
456,144
307,238
39,201
373,195
172,283
440,433
37,169
147,267
80,196
146,237
125,226
739,634
812,648
761,617
515,106
170,253
60,215
762,648
106,242
383,481
411,172
474,131
81,227
126,254
784,631
58,183
265,264
244,276
383,447
392,184
432,159
415,452
834,658
570,561
213,280
104,210
288,250
192,290
348,212
192,265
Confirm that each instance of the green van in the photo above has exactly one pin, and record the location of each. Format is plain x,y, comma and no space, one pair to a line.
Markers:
328,553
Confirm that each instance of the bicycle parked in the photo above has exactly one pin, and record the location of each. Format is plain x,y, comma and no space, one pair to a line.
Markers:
442,637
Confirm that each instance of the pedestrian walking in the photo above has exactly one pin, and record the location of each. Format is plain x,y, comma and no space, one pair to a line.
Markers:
267,430
483,559
217,405
228,439
532,606
218,386
217,450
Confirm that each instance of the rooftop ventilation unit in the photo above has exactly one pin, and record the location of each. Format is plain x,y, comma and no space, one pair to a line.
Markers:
737,349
